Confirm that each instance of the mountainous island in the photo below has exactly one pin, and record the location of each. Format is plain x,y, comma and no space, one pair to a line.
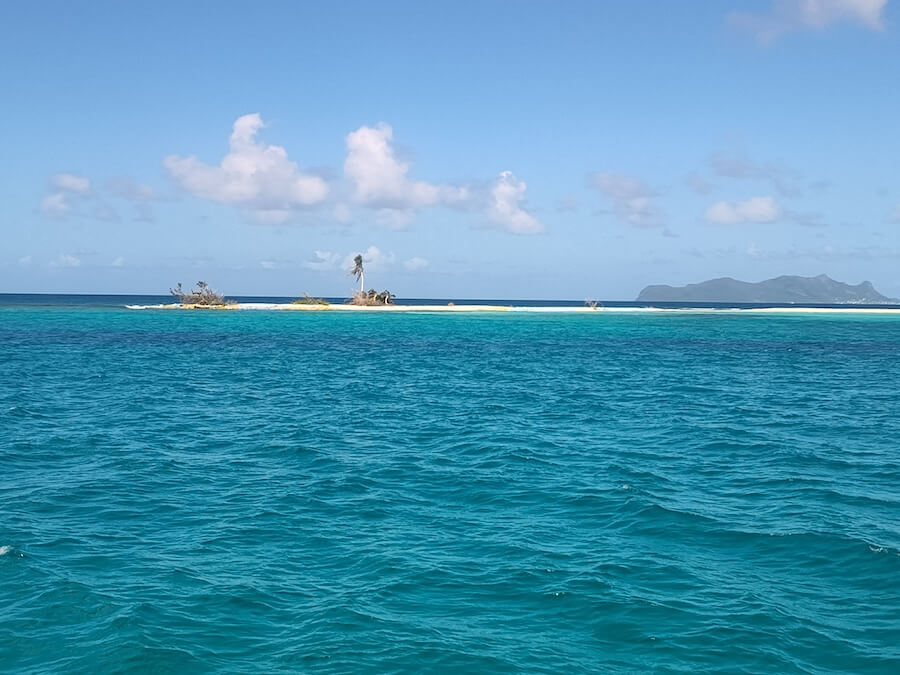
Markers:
781,290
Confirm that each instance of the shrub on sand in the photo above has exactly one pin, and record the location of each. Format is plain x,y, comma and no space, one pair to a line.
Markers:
372,298
307,299
202,295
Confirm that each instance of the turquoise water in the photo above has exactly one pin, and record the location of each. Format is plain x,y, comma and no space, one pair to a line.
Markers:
272,492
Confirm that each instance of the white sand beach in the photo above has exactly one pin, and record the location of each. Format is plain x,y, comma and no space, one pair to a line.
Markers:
291,307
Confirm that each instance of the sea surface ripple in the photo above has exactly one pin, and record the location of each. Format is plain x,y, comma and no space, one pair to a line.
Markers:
334,492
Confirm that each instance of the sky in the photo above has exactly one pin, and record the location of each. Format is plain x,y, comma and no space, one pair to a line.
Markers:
543,150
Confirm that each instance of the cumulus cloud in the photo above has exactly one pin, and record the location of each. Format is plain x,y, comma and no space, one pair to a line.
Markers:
753,210
255,177
69,182
632,198
786,16
64,188
416,263
505,206
380,179
783,180
69,191
118,262
56,204
270,188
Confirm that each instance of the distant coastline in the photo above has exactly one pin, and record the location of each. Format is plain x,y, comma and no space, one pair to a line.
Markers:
786,289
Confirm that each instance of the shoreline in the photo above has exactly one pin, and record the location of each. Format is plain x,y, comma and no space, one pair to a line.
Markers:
455,309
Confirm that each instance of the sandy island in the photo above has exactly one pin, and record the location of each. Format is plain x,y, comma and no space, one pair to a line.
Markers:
513,308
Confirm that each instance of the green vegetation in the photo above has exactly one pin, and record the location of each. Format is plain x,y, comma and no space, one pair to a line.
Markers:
201,296
307,299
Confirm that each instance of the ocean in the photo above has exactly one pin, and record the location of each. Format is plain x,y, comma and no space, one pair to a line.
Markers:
493,493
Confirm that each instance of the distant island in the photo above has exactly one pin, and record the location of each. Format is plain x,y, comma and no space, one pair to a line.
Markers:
782,290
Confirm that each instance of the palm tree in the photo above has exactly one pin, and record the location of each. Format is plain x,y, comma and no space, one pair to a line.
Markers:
357,272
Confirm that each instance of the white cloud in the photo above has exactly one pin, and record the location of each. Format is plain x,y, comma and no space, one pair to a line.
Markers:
753,210
65,260
255,177
785,16
63,188
268,264
632,198
56,204
380,179
69,182
270,188
118,262
25,260
416,263
505,207
895,216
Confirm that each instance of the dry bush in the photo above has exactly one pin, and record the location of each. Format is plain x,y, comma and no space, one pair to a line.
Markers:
202,295
307,299
372,298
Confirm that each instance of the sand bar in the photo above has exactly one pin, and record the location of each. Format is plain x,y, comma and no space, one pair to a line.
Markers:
524,309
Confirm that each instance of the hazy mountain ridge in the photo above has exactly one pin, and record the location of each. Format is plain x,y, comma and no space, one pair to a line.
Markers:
784,289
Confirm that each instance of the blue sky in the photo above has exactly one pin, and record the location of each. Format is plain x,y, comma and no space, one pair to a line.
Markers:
468,149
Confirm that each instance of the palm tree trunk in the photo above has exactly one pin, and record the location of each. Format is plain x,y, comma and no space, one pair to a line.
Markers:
362,281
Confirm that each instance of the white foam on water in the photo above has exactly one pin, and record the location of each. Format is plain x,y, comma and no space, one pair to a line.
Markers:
5,549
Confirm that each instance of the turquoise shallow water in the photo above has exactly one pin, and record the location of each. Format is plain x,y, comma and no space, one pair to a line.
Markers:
273,492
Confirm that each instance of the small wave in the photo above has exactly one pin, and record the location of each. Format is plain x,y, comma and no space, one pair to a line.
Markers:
21,412
875,548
